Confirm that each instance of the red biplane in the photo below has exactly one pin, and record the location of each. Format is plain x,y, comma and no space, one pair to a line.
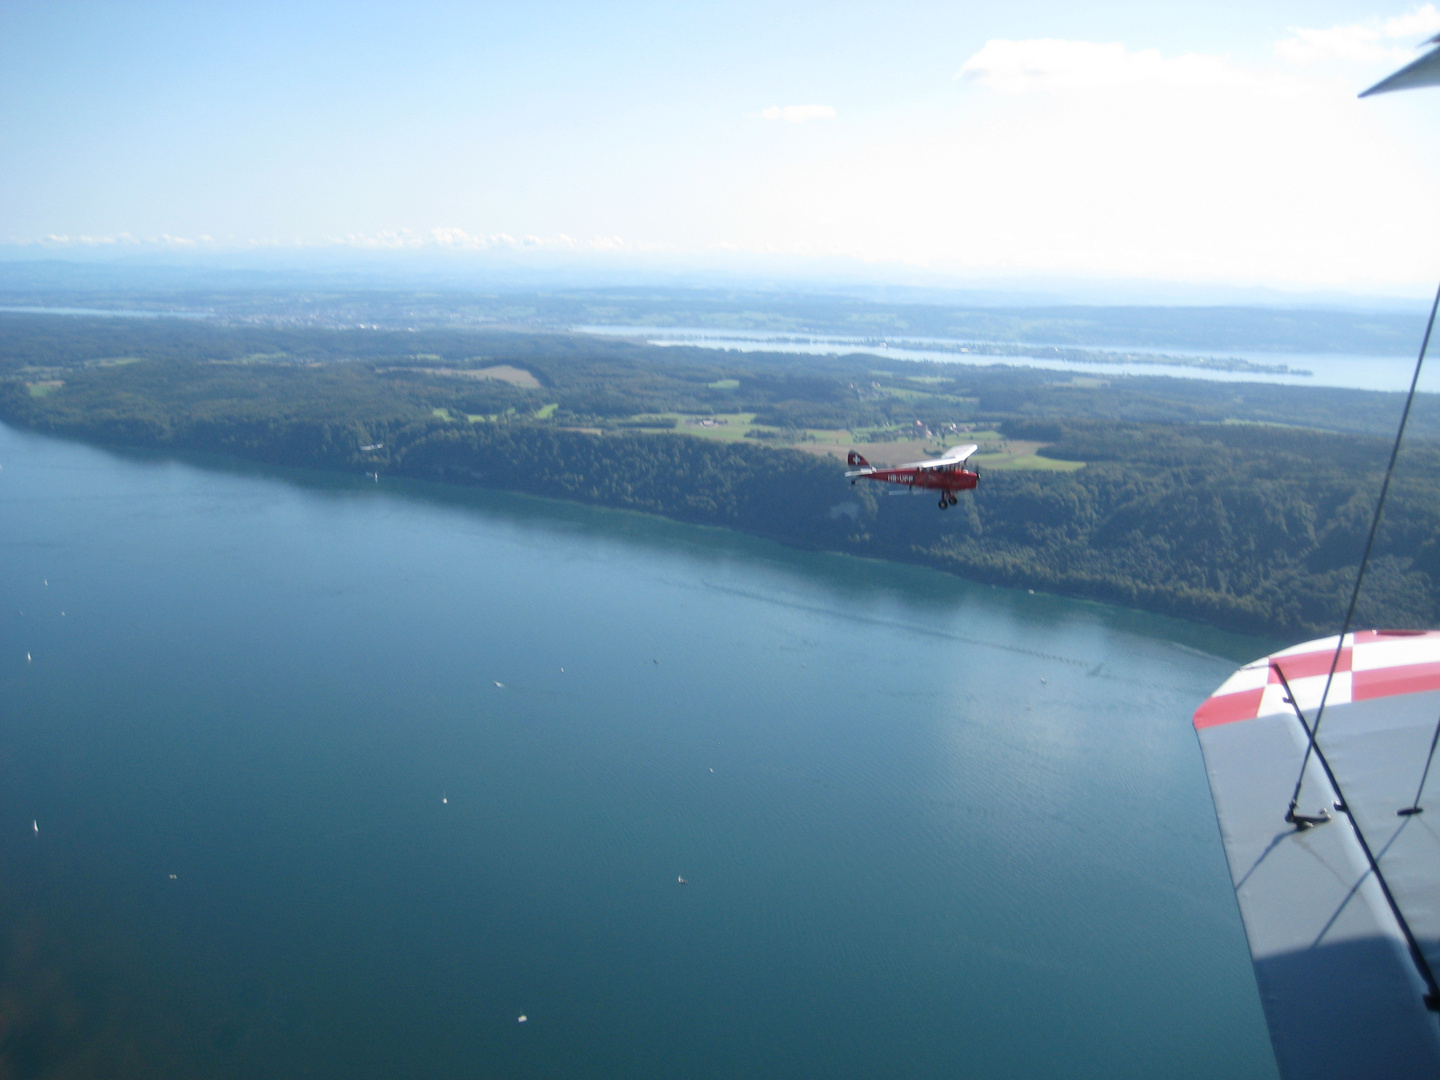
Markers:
946,474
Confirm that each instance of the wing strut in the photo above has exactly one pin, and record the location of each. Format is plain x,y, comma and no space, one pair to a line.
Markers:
1432,989
1415,807
1360,575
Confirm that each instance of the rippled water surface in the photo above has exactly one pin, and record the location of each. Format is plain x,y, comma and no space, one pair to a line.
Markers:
340,779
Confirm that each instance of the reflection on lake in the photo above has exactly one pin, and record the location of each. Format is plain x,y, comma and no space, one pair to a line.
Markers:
334,779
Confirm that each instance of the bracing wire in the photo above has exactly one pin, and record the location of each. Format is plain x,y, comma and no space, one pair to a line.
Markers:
1414,807
1417,955
1365,558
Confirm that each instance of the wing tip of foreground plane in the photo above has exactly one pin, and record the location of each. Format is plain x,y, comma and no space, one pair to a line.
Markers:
1422,72
1341,992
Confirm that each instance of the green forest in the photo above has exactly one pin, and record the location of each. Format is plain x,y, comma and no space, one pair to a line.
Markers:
1243,505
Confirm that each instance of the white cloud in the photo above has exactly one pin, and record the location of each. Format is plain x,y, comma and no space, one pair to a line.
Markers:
1096,159
457,239
1014,67
1364,44
798,114
1056,157
125,238
1360,42
451,237
1423,20
448,237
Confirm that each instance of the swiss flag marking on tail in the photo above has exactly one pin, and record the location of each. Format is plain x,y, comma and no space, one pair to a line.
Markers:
856,460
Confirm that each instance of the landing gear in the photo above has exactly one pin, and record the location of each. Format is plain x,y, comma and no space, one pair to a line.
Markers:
944,501
954,498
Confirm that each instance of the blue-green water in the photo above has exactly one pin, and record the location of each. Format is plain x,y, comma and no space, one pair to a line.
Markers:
929,829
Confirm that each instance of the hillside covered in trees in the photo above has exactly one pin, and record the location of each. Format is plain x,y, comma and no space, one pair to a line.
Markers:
1239,504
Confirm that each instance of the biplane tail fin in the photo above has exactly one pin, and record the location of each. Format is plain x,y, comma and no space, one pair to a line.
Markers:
856,461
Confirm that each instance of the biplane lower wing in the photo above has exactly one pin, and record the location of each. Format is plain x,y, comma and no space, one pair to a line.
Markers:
1343,992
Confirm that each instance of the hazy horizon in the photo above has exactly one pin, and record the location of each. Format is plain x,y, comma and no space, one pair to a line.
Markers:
142,272
1209,149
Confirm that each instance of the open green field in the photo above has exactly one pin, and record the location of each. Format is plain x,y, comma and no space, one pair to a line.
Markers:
721,427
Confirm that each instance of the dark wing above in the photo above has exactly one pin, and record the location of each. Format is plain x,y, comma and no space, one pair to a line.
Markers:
1423,72
1342,991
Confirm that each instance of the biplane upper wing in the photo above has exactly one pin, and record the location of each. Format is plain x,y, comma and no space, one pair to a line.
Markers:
954,456
1331,940
1422,72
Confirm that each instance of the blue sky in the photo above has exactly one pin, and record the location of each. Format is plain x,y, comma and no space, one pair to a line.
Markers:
1212,143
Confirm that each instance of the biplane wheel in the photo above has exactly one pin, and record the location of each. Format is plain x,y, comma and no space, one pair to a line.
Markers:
954,498
944,502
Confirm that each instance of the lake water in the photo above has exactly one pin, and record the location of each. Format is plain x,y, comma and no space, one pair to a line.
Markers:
1306,369
315,798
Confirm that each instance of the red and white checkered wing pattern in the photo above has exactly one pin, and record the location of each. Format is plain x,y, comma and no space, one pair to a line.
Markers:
1371,664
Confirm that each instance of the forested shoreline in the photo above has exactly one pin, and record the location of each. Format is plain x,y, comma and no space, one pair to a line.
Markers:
1179,509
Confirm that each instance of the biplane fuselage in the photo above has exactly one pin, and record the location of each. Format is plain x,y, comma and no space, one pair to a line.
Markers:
946,474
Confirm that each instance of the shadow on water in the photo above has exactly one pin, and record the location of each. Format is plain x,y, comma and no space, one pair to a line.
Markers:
73,1005
1314,1033
80,1001
851,580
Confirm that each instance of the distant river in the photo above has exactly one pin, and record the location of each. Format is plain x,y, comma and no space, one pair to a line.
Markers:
1306,369
303,775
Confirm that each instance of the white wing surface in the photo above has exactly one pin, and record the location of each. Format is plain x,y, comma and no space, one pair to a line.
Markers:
1343,994
954,456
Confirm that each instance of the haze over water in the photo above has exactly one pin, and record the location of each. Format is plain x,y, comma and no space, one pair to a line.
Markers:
928,828
1353,372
